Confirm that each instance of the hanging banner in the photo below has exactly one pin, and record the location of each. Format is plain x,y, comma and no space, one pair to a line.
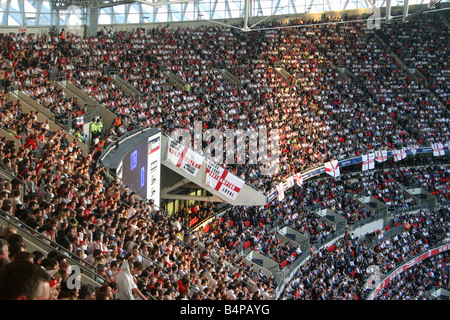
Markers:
298,179
79,121
368,161
381,156
154,169
280,191
184,157
438,149
222,180
332,168
413,149
399,154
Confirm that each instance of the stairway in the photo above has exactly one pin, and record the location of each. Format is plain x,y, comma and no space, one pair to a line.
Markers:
230,77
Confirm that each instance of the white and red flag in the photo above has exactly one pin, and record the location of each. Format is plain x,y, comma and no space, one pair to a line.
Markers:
438,149
381,156
368,161
80,121
222,180
399,154
298,179
332,168
280,191
413,149
183,157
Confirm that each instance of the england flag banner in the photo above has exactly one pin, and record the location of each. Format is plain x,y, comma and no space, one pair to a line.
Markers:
381,156
184,157
289,183
298,179
399,154
438,149
222,180
368,161
413,149
80,121
280,191
332,168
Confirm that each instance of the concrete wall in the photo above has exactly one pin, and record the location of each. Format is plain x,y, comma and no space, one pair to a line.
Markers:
267,263
368,228
299,238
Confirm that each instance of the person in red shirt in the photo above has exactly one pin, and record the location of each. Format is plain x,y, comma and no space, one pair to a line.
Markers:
31,141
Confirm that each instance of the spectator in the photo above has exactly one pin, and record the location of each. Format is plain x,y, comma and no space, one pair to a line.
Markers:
24,281
4,252
38,257
321,117
87,292
124,278
24,256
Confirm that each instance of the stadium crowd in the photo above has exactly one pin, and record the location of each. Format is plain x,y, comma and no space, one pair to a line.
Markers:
421,44
419,283
66,197
341,271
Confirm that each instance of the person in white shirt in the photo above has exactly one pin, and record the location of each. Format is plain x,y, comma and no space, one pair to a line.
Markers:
16,199
50,233
177,224
96,244
124,278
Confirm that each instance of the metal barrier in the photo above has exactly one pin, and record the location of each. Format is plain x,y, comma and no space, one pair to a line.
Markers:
9,172
373,240
396,211
70,124
357,224
122,138
60,77
285,275
12,88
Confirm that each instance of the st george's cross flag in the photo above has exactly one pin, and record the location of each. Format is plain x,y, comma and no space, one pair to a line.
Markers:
184,157
438,149
222,180
413,149
298,179
399,154
368,161
332,168
80,121
381,156
280,191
